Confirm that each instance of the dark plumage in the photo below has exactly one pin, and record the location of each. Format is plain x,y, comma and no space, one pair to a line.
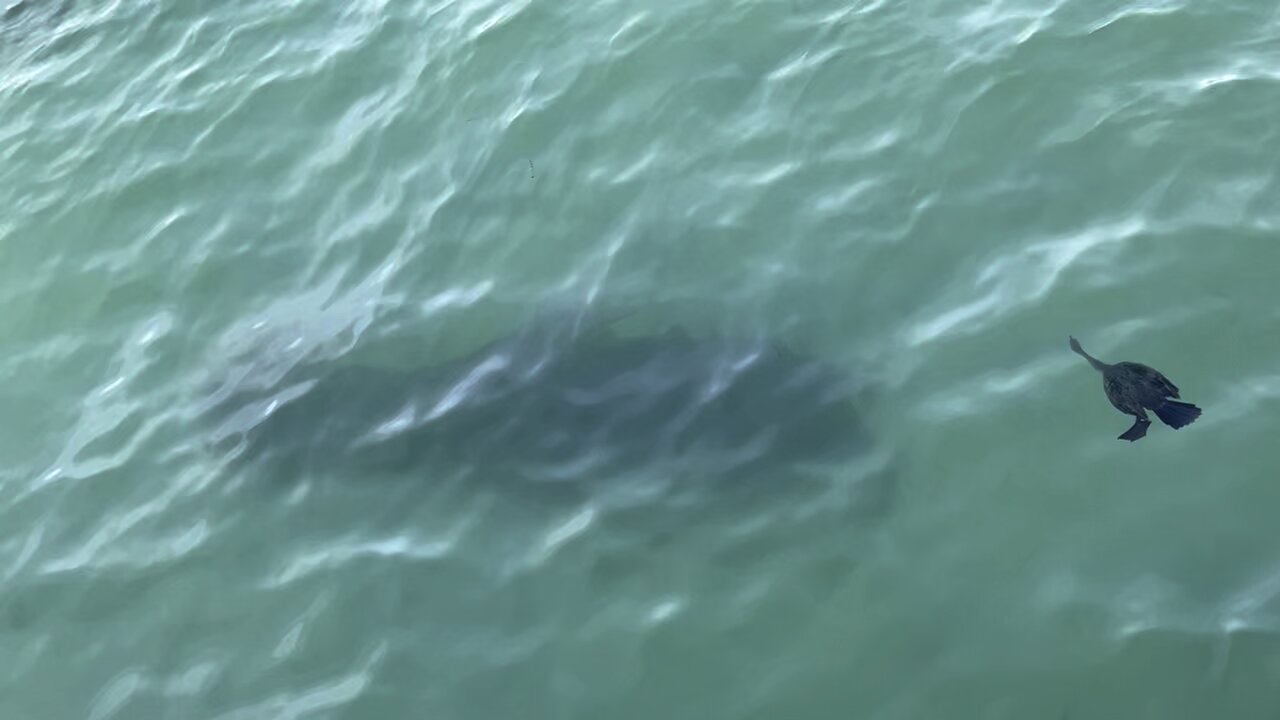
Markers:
1134,388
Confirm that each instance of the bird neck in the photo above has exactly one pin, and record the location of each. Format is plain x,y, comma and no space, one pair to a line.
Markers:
1095,362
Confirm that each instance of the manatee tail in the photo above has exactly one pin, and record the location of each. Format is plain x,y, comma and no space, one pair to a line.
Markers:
1177,414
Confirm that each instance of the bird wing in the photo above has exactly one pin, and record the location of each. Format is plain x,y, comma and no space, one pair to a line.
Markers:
1157,380
1165,385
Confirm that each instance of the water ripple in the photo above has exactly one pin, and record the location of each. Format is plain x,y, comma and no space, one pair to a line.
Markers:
204,201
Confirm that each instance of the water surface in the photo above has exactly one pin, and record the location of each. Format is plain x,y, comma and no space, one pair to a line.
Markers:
924,196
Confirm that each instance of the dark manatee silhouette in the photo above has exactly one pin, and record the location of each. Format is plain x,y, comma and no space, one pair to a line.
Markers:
1134,388
32,26
20,10
560,402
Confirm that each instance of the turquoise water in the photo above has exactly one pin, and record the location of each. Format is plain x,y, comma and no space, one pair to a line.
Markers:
206,201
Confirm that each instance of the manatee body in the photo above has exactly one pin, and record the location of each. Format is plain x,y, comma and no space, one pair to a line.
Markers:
55,10
556,406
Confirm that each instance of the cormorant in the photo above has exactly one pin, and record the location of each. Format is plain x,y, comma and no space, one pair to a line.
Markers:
1134,388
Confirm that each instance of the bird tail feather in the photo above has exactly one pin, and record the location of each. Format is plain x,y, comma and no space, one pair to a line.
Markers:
1177,414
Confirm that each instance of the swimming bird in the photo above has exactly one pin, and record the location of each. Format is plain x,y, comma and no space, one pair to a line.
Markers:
1134,388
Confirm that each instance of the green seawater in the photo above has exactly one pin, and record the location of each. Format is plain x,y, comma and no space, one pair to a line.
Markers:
927,195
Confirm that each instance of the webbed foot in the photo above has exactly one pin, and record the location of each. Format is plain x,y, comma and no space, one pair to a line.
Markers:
1138,431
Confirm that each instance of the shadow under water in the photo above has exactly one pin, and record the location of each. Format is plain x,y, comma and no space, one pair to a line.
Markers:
554,406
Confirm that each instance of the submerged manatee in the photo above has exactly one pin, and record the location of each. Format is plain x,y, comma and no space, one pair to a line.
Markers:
52,9
563,405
